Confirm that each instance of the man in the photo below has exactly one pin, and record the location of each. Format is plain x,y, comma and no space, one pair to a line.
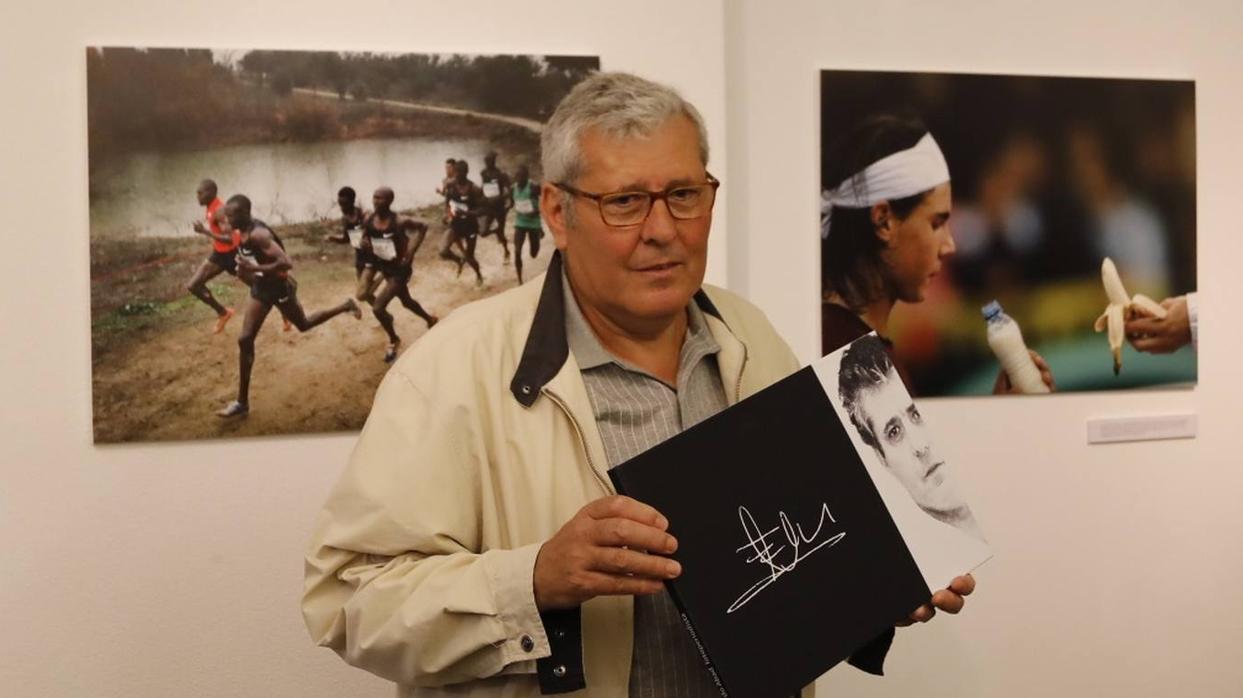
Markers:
223,242
387,242
264,266
524,199
352,219
475,542
464,203
496,190
889,421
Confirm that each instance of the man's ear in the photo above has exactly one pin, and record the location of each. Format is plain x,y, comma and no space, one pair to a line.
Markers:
552,208
883,221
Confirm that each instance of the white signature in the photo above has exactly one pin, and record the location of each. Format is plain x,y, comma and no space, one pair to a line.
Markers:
761,549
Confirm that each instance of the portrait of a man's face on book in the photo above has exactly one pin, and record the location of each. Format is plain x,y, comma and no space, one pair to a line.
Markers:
788,504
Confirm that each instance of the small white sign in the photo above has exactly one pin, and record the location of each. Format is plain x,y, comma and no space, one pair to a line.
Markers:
1105,430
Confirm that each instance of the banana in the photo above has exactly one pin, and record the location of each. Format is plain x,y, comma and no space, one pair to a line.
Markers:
1120,309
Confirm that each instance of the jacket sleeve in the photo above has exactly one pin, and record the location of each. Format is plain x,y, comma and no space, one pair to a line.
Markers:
396,582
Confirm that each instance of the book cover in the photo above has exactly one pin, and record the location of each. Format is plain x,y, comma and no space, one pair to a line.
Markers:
810,518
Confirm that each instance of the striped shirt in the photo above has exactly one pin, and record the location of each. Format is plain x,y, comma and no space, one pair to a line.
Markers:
634,411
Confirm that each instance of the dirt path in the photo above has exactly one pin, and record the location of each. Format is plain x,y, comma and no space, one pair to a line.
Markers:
166,384
529,124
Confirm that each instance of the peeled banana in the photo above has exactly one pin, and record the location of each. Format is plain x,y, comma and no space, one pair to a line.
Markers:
1120,309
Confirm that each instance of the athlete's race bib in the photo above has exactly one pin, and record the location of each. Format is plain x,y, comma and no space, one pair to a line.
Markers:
384,249
459,207
356,237
524,206
492,189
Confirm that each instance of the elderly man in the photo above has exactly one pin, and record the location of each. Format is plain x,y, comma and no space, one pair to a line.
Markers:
475,546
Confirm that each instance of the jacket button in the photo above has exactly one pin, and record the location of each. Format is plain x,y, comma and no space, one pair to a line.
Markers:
559,671
558,633
527,643
526,390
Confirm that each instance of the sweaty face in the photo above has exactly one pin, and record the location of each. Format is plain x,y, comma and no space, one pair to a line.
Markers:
641,273
918,244
899,429
382,200
204,195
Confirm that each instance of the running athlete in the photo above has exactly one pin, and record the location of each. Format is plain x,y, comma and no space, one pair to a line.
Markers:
352,219
464,206
223,242
443,189
496,188
393,253
263,264
524,198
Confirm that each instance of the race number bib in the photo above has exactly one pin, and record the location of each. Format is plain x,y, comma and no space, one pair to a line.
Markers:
356,237
492,189
383,248
459,207
524,206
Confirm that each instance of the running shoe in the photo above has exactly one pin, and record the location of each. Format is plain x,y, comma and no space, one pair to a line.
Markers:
234,409
391,355
223,319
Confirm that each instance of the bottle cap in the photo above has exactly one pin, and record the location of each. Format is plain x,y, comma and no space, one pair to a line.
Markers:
992,310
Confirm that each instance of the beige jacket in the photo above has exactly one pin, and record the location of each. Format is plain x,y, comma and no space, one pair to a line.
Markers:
480,445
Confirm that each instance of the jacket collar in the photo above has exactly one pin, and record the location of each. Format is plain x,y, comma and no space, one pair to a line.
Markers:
547,348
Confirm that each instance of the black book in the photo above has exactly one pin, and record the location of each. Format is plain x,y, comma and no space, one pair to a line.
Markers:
804,533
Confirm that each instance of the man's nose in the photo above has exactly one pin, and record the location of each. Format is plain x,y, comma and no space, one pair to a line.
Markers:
660,226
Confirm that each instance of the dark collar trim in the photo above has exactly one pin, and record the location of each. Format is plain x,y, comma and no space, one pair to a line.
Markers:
547,348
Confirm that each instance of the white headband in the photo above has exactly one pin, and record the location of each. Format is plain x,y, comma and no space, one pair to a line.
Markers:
904,173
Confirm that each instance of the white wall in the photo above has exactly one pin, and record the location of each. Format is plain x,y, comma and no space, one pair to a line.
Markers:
175,570
1119,570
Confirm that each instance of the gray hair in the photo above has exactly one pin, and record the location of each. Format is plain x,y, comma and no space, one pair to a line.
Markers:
620,105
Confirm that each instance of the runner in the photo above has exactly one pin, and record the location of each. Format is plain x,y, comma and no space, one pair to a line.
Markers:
263,264
352,220
496,190
464,205
393,254
223,242
524,199
443,189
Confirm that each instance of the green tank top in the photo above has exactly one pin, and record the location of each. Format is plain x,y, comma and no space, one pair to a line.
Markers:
525,215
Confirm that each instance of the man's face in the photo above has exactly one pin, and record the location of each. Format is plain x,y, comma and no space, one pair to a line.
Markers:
521,175
640,273
459,171
239,218
346,203
382,200
904,446
449,169
205,194
918,244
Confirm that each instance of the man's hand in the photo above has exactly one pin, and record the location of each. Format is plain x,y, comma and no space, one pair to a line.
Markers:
949,600
1164,335
603,551
1003,386
200,228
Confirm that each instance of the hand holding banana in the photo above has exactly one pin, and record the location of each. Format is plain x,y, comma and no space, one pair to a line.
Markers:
1121,308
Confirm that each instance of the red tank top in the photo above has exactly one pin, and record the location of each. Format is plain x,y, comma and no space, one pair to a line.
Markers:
222,247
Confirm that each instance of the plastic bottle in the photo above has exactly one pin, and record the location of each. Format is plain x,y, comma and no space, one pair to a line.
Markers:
1006,341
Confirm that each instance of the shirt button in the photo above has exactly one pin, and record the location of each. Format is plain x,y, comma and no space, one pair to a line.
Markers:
558,633
559,671
527,643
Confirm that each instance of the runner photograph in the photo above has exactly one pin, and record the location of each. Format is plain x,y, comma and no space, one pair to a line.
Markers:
269,229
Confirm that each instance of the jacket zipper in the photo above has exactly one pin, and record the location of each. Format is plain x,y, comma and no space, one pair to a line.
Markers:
741,370
582,439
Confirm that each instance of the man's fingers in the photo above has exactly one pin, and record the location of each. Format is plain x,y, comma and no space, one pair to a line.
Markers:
619,506
947,601
1143,325
620,561
619,532
963,586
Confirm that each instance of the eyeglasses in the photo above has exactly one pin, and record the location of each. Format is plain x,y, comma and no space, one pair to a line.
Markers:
626,208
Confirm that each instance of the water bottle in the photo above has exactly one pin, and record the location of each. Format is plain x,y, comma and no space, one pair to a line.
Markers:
1006,341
